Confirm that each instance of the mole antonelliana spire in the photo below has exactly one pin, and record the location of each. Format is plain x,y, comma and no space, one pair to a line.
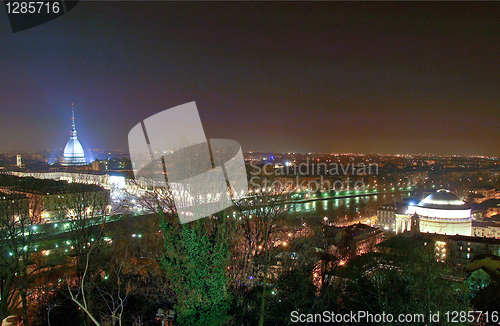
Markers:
73,152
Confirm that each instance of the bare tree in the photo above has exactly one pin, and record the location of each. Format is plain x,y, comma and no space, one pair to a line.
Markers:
18,226
115,302
85,209
264,236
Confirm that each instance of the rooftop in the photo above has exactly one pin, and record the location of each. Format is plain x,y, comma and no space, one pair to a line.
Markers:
443,199
474,239
484,224
486,187
44,186
5,196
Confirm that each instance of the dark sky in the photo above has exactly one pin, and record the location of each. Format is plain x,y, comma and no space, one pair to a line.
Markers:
285,76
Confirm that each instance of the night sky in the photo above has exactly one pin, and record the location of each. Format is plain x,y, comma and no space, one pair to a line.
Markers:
356,77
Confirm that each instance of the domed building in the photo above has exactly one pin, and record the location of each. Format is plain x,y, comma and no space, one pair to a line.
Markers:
441,212
73,152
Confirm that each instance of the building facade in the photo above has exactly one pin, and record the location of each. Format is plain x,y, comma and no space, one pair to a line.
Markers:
386,215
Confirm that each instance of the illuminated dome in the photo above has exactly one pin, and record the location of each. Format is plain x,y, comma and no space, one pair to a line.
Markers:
441,212
442,199
441,204
73,152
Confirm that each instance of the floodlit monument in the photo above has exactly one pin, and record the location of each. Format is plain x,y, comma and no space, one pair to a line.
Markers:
73,152
441,212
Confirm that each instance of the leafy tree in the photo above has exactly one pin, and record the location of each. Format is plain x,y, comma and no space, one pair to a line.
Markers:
195,262
294,291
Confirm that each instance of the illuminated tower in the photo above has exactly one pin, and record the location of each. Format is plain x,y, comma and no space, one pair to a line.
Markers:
73,152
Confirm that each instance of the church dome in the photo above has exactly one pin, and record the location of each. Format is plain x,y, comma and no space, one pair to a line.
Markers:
442,204
441,212
442,199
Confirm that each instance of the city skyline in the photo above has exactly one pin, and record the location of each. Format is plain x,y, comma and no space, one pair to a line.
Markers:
393,78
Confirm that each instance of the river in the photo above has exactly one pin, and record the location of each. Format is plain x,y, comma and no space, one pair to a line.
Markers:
342,209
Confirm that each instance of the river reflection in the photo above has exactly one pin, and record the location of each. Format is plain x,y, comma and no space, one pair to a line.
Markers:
346,208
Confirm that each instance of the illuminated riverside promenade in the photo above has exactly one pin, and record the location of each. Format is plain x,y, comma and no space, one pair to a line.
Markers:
350,204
